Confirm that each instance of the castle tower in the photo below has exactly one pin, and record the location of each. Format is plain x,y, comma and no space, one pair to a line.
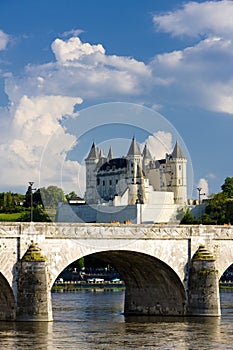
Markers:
134,158
147,158
135,176
91,163
177,163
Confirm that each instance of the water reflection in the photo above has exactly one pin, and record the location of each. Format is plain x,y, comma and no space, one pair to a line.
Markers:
95,321
26,335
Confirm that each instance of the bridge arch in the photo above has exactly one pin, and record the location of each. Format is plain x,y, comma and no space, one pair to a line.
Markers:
7,301
152,287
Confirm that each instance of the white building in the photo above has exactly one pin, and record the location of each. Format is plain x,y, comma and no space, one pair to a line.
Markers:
135,188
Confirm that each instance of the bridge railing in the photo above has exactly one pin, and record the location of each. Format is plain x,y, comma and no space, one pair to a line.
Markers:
124,231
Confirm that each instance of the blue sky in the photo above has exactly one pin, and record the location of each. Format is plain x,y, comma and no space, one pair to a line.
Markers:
58,58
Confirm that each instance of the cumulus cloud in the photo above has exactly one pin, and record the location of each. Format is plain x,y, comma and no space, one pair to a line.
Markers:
74,49
34,123
160,144
4,40
195,19
199,75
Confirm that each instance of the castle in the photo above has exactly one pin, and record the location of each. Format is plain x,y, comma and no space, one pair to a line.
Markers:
136,188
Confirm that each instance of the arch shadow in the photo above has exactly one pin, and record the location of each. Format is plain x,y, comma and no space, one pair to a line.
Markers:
152,287
7,301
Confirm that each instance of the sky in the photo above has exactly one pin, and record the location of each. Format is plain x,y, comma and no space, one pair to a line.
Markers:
63,62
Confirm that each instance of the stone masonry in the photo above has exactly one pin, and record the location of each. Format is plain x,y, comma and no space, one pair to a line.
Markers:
157,262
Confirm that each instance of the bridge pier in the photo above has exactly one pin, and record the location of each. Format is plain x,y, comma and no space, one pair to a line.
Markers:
203,287
34,297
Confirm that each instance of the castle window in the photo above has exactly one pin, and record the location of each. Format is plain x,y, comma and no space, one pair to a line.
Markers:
98,181
116,181
110,182
103,183
179,167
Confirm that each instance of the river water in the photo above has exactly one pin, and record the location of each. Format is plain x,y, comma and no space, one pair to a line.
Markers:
94,320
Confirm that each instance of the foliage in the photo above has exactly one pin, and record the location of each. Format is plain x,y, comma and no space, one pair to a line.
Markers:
51,196
227,187
39,215
79,264
219,208
11,202
188,219
71,195
16,206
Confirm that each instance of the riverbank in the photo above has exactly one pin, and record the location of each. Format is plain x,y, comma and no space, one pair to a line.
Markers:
70,286
226,285
83,285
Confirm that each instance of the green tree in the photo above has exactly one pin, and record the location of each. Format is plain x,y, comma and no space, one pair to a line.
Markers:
8,201
71,195
78,264
39,215
51,196
216,208
189,219
227,187
28,197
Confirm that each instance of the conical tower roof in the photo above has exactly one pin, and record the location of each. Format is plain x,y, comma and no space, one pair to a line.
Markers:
93,154
146,152
110,154
101,154
177,153
134,149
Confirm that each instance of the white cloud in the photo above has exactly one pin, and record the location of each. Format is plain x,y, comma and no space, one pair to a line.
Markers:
34,122
4,40
73,32
160,144
74,50
201,75
194,19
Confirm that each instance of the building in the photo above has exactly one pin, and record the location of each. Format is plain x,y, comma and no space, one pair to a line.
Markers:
135,188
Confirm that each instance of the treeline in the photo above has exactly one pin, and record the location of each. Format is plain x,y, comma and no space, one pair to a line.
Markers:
218,208
40,204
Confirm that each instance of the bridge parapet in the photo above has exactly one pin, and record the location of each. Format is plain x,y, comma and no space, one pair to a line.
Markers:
83,230
127,231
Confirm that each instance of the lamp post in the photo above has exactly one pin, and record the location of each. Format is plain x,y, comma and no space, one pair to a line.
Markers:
200,194
31,202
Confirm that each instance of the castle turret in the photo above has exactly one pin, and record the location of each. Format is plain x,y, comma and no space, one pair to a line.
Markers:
91,163
134,158
178,166
135,176
147,158
110,154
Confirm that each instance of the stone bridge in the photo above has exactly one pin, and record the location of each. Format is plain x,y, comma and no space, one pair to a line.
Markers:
167,269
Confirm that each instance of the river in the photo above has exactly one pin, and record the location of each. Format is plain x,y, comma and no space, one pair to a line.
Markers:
88,320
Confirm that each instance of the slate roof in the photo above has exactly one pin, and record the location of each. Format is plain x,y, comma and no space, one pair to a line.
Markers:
134,149
177,153
93,154
112,164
